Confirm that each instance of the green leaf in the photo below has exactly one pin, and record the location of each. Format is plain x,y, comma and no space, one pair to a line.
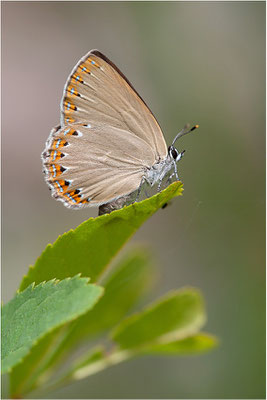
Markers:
91,246
104,361
97,360
169,327
173,317
92,356
24,376
196,344
123,287
87,250
39,309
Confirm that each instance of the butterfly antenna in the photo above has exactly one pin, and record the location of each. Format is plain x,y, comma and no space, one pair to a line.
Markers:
184,131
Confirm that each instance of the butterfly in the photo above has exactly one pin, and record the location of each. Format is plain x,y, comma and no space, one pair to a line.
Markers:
108,143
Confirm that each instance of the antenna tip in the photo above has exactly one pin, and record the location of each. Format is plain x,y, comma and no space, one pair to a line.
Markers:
194,127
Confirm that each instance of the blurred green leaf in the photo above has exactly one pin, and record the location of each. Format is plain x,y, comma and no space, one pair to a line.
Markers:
123,287
24,376
91,357
91,246
191,345
39,309
87,250
98,360
107,360
174,317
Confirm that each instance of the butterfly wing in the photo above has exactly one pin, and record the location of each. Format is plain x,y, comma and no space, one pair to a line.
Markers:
92,166
107,139
98,93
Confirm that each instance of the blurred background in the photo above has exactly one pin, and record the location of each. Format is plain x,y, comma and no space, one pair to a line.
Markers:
196,62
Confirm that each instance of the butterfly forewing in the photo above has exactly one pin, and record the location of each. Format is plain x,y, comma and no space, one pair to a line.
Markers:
98,92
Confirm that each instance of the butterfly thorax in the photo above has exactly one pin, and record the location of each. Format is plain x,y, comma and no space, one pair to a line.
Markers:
158,171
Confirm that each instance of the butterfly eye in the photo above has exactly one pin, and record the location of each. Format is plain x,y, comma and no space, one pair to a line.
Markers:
173,152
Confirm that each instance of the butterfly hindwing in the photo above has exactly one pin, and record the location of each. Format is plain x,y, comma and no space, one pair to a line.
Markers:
100,174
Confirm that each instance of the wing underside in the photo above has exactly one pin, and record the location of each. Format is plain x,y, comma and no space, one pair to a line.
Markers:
98,92
87,169
108,137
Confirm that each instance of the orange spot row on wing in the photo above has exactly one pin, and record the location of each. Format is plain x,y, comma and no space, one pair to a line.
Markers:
61,186
55,155
58,143
76,78
69,106
87,66
56,170
92,62
70,131
72,91
69,120
83,68
74,198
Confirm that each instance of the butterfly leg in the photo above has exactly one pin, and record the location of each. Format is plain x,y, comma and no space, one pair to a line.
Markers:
160,182
175,171
147,195
170,178
172,175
